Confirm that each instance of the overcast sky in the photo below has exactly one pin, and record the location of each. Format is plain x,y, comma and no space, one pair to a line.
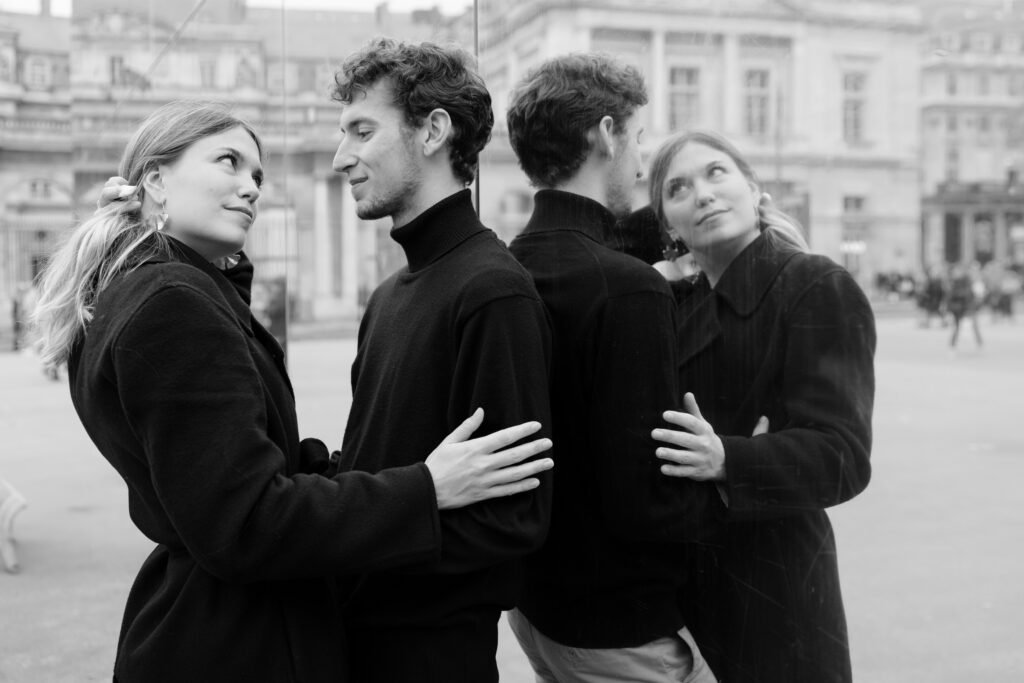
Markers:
63,7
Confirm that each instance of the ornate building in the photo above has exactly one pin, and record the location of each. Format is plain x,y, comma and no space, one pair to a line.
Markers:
972,129
822,96
35,132
276,70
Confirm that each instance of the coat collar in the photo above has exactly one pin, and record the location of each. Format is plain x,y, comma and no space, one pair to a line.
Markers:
742,287
438,230
559,210
751,274
235,283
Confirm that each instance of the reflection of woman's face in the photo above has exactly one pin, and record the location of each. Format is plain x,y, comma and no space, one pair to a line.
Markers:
211,192
708,202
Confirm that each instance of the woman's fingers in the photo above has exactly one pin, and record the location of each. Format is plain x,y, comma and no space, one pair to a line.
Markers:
503,437
521,486
674,437
513,456
507,475
690,403
761,427
684,420
687,458
466,429
683,471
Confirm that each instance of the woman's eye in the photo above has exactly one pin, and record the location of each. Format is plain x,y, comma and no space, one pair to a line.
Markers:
230,158
716,171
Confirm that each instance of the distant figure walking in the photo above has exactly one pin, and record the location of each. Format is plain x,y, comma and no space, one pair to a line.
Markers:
11,503
962,302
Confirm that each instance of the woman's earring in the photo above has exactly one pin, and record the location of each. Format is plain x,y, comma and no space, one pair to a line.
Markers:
160,219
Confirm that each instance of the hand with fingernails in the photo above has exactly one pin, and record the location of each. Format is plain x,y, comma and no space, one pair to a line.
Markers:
696,452
117,189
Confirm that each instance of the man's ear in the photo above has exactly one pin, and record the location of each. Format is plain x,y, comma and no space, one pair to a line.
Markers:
153,185
605,137
438,129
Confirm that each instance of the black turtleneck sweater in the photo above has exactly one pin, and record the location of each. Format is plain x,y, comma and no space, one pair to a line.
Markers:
460,327
608,573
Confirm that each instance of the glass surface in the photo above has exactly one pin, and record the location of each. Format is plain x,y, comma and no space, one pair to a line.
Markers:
892,130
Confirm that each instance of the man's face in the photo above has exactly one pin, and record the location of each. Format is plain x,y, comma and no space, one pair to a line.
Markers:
377,154
627,168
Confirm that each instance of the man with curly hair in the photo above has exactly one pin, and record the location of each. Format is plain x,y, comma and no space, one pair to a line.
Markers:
460,327
600,598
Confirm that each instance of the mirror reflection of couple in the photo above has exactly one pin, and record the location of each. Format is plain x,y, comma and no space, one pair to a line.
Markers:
672,519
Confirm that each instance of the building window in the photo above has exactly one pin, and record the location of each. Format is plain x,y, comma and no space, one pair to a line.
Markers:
40,189
207,73
5,68
684,98
1016,84
37,73
951,123
984,123
853,204
758,102
306,77
952,162
854,93
951,83
983,84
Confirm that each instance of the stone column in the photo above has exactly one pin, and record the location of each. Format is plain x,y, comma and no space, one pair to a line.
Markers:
658,81
349,253
732,92
323,274
967,237
1001,245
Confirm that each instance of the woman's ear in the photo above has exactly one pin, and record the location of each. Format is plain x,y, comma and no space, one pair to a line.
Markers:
153,186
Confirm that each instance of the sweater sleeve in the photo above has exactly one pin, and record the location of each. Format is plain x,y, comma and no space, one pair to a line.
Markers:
635,381
501,366
819,454
192,394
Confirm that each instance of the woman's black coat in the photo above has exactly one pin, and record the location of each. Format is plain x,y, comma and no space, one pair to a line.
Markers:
187,396
790,336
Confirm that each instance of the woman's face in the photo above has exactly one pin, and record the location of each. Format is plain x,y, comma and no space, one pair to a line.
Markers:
211,192
708,202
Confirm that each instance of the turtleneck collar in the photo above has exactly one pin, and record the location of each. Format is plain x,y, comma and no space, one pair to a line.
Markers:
560,210
438,230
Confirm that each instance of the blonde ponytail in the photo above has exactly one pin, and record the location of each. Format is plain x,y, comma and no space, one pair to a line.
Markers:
779,227
111,242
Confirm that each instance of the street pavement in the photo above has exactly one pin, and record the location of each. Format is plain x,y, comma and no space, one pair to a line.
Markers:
931,554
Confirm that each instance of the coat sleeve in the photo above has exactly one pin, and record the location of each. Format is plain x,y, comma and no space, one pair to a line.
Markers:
635,381
192,395
501,365
818,455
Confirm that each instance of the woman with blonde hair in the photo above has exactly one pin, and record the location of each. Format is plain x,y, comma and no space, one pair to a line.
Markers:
765,329
187,396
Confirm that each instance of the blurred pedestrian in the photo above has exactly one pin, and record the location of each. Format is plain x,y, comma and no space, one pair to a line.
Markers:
599,602
931,297
963,301
187,396
768,329
460,325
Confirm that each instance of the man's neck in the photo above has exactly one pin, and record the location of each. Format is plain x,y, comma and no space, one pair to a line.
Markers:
435,187
587,185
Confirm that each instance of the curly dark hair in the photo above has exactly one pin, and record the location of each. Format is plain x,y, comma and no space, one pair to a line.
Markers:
558,102
424,77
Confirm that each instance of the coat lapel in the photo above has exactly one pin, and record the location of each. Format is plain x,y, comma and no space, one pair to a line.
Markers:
698,320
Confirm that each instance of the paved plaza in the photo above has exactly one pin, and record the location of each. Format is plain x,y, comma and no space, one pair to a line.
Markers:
931,554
